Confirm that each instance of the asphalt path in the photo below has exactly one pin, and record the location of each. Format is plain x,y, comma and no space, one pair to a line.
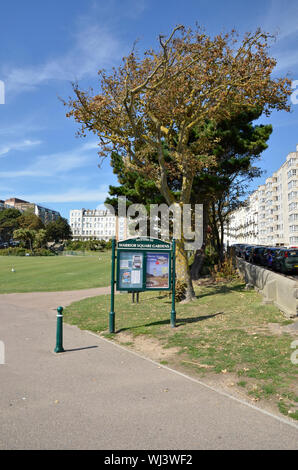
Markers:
98,395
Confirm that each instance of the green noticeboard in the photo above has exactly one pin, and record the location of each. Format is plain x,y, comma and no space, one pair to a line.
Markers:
143,264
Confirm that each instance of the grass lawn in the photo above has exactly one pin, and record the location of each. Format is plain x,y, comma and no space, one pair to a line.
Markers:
54,273
225,336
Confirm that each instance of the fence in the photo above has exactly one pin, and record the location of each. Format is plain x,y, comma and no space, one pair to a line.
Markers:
79,253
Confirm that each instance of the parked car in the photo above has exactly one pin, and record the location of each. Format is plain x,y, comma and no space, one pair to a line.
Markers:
14,243
286,260
240,250
256,254
238,247
246,252
3,245
267,257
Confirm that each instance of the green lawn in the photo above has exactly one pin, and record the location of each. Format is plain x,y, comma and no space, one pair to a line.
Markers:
224,333
54,273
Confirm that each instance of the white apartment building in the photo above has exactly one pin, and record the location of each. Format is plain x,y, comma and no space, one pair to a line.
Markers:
87,224
270,216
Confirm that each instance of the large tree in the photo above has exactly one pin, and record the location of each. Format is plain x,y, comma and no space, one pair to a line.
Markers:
58,230
238,146
220,187
30,221
152,103
8,223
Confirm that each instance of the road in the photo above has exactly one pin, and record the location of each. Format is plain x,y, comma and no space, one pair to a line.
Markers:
98,395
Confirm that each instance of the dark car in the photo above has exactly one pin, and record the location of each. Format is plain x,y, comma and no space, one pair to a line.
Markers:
286,260
239,250
268,256
238,247
14,243
246,252
255,256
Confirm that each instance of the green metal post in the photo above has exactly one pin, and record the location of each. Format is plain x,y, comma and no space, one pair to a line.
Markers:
112,312
59,332
173,312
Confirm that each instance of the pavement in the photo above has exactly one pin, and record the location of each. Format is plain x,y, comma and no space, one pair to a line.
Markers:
99,395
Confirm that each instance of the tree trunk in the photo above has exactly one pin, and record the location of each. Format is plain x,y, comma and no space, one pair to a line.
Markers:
183,270
200,254
197,265
221,249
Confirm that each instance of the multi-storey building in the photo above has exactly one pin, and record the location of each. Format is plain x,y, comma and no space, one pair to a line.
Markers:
46,215
270,214
96,224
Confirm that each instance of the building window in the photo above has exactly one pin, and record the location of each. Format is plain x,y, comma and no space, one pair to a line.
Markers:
292,184
292,195
293,217
291,173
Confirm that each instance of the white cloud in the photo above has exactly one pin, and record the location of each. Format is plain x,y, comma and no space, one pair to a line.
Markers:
94,47
55,163
73,195
5,149
281,20
286,61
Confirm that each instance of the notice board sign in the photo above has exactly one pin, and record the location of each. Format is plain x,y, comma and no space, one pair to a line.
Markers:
158,270
143,264
131,270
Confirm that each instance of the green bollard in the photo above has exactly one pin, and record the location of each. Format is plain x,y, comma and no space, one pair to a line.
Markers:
173,311
59,332
112,311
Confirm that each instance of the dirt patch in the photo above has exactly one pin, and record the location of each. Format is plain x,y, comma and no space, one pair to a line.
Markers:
225,381
146,346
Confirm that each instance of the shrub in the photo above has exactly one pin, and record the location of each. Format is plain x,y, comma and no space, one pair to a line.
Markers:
226,270
43,252
18,251
89,245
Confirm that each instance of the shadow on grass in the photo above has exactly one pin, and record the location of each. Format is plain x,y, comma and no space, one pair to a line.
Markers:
214,290
224,289
179,322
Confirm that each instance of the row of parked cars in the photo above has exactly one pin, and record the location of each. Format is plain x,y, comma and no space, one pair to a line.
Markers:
8,244
282,259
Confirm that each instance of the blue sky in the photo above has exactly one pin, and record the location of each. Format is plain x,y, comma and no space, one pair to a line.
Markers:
47,45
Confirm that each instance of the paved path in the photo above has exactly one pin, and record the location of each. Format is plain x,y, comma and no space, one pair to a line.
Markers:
98,395
51,300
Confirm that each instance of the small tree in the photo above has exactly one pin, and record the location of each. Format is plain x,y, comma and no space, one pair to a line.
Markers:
25,236
40,238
